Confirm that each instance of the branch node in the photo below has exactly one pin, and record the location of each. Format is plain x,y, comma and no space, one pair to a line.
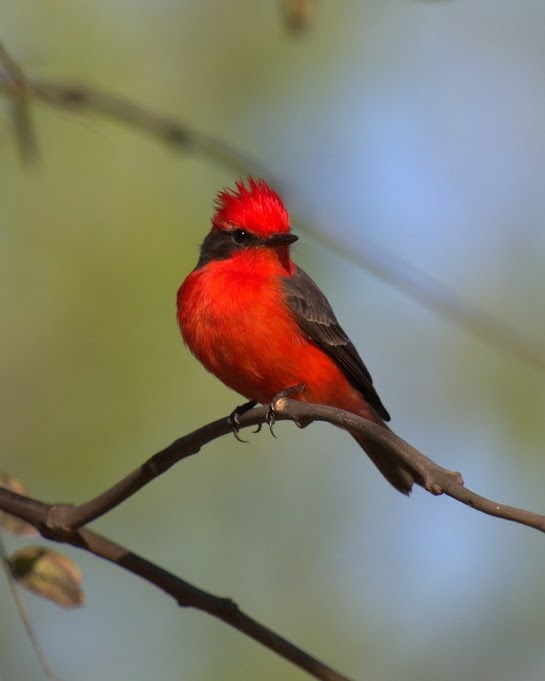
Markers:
228,606
57,526
282,406
433,487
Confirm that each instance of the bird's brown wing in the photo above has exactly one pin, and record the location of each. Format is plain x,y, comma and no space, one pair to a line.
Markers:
316,319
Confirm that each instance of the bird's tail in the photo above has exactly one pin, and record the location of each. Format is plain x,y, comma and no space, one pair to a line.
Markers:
391,467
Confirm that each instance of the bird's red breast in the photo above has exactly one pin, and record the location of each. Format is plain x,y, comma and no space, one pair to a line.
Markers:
233,317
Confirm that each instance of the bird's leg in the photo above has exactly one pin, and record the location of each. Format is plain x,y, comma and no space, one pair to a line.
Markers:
234,418
270,415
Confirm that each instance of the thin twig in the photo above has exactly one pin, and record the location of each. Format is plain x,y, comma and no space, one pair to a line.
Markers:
179,136
25,136
23,614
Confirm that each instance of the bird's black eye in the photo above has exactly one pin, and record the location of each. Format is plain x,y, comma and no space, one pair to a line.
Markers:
240,236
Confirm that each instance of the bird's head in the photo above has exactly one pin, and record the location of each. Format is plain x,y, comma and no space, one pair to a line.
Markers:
252,215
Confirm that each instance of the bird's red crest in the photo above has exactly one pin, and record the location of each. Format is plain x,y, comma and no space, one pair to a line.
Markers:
255,207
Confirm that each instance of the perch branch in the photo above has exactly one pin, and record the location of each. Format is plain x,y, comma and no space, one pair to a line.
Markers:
429,475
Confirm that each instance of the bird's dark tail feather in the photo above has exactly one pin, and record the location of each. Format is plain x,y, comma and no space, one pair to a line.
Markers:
391,467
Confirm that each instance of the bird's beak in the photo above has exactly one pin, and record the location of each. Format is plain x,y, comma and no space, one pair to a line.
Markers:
281,238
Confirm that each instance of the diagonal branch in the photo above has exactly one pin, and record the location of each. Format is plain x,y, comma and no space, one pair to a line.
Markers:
185,594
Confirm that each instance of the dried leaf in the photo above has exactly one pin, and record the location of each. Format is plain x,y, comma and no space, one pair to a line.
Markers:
49,574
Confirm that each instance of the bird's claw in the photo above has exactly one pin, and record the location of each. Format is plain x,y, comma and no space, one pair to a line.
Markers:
235,425
234,419
270,417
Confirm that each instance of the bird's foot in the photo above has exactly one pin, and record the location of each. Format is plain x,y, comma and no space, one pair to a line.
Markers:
234,419
270,415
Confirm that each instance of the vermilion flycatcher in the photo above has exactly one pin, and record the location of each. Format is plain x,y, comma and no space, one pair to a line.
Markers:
262,326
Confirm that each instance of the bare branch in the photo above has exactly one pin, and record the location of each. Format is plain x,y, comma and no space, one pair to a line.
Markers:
185,594
177,135
429,475
64,520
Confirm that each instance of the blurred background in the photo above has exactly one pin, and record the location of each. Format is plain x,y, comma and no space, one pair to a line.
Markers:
414,125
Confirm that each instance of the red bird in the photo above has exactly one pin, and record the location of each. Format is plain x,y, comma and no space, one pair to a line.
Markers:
262,326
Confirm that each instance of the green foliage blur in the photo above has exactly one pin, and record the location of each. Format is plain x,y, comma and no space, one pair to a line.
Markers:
418,125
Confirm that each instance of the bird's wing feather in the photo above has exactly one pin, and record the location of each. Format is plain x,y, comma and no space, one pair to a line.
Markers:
315,317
